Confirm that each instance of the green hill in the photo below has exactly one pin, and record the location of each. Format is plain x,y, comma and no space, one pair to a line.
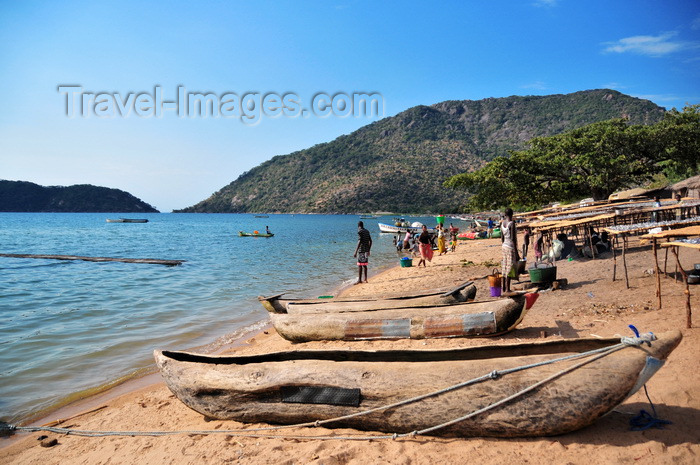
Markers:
399,163
22,196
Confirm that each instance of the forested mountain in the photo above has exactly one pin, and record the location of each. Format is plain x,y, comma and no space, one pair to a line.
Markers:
399,164
22,196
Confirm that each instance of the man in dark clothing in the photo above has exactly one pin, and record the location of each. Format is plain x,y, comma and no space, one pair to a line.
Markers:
364,244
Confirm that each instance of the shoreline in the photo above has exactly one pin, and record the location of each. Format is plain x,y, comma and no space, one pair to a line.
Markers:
592,305
150,376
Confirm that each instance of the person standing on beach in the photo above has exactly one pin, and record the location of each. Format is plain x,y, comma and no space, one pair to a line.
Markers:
526,241
509,249
442,248
426,248
364,244
489,228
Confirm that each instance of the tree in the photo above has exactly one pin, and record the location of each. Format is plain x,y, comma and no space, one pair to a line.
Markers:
679,136
595,160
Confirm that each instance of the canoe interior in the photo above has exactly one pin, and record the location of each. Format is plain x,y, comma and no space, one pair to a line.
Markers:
468,353
395,296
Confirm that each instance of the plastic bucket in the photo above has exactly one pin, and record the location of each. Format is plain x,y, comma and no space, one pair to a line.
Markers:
495,291
543,275
406,263
495,280
440,219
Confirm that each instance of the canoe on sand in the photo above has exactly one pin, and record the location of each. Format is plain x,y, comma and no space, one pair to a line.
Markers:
488,318
462,293
497,390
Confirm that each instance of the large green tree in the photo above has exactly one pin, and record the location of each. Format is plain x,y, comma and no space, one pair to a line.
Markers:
592,161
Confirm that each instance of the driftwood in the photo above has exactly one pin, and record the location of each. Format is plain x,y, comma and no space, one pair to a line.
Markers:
462,293
152,261
459,320
307,386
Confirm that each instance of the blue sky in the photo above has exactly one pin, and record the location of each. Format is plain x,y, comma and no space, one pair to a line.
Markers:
409,53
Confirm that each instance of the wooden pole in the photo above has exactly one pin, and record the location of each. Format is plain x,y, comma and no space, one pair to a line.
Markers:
152,261
614,241
657,272
624,259
688,311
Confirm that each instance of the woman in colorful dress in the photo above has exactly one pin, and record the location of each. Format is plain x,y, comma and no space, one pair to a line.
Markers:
426,248
441,242
509,248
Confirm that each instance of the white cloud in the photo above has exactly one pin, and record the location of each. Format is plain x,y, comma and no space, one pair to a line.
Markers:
537,85
696,23
654,46
613,85
546,3
659,98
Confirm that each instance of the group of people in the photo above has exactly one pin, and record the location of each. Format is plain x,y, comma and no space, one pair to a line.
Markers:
418,244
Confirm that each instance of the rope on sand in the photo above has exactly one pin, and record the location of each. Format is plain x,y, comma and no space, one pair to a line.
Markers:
596,354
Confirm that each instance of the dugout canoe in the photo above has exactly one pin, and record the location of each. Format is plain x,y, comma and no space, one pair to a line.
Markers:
488,318
462,293
245,234
496,390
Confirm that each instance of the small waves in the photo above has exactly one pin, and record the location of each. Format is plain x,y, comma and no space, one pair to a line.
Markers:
70,327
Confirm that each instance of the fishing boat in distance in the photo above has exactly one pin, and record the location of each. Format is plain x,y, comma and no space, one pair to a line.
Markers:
486,318
416,227
514,390
127,220
254,234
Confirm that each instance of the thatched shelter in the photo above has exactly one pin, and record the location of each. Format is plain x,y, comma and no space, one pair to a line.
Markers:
638,192
687,188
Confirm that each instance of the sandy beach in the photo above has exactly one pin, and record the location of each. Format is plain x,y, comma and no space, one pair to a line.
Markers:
591,304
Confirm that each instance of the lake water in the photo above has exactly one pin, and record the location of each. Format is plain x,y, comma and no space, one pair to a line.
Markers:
70,328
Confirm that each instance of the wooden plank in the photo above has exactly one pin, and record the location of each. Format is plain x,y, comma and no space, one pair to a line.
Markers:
688,311
152,261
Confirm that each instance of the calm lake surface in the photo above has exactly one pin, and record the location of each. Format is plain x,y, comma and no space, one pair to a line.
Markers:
70,328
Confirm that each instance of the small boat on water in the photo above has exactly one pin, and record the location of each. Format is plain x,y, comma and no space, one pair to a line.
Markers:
516,390
254,234
488,318
127,220
462,293
388,228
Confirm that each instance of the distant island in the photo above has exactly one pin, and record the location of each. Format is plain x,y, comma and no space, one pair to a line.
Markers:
399,164
23,196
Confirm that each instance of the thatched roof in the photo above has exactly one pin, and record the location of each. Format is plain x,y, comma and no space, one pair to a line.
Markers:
690,183
636,192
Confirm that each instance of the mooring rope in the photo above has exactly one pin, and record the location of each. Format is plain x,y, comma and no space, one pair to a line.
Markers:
595,353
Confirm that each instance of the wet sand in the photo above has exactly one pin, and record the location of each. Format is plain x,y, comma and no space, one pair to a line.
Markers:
591,304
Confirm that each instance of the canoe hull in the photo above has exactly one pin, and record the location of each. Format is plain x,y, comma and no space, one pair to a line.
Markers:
459,320
256,388
463,293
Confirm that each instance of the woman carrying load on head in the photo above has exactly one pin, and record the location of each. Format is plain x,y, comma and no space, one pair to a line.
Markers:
509,249
441,242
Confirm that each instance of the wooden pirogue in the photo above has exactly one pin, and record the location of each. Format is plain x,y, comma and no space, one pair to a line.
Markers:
462,293
487,318
496,390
